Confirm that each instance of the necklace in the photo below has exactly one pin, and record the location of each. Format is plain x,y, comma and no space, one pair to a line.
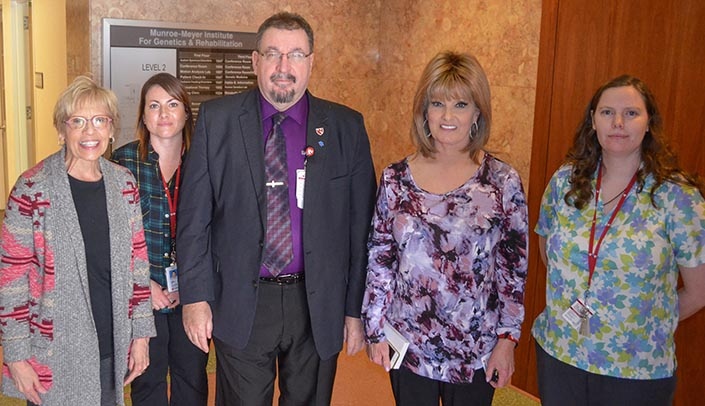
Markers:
615,198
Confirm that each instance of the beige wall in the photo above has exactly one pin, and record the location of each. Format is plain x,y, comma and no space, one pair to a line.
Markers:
49,61
15,94
34,73
370,53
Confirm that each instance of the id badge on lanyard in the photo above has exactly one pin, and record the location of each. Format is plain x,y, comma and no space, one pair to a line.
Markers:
579,313
172,278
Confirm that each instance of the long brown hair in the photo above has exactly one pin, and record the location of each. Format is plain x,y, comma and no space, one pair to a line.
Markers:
175,89
657,157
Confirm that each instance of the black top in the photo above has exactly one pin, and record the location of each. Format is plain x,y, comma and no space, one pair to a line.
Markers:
89,199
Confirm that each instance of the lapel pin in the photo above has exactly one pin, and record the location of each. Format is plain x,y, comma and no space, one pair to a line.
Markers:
308,151
320,131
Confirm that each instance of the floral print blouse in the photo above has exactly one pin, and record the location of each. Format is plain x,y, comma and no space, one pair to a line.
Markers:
448,271
634,286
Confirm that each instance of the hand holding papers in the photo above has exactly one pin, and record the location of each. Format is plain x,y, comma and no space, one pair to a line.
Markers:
397,343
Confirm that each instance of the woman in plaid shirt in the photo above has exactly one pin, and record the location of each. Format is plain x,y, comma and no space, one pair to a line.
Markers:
164,132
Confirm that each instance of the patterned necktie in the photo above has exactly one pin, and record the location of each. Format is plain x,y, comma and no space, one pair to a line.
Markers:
278,250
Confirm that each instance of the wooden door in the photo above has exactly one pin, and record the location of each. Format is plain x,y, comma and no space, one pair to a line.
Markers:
583,44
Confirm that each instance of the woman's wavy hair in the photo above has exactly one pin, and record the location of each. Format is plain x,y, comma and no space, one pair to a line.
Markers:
175,89
452,75
657,157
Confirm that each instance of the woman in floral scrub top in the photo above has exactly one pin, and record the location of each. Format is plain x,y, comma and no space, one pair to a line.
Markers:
447,259
621,198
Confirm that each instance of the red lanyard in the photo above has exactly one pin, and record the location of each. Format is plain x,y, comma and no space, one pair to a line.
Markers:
174,201
593,249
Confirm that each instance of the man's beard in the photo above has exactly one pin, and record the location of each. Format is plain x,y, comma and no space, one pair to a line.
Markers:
282,96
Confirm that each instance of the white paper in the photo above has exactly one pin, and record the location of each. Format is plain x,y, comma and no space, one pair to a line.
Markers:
397,343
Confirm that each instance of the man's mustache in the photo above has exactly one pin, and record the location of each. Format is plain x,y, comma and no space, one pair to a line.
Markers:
286,76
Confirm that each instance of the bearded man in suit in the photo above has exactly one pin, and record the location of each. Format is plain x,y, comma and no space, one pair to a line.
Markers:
270,316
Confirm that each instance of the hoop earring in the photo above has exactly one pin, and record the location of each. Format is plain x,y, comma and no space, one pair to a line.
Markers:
112,140
425,126
473,130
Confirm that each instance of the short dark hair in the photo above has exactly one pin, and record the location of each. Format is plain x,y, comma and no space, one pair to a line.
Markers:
285,21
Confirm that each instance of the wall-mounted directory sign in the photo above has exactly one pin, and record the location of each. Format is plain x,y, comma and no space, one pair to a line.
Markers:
210,62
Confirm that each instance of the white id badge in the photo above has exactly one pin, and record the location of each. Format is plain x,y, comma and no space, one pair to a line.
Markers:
576,313
300,181
172,278
485,358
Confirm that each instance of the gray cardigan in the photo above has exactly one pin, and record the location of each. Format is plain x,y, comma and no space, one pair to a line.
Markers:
45,308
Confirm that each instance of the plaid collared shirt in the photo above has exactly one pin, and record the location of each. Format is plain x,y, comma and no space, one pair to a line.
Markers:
155,206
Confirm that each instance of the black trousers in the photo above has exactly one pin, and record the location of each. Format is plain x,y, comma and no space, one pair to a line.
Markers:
171,351
561,384
414,390
281,343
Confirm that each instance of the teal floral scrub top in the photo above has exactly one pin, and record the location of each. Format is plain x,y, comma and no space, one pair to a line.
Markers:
634,285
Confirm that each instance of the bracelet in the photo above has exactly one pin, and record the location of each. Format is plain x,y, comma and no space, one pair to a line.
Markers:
508,336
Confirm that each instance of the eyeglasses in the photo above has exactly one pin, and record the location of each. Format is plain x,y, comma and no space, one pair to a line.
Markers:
79,123
273,56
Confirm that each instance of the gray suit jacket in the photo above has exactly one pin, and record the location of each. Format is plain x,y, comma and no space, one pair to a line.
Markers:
222,217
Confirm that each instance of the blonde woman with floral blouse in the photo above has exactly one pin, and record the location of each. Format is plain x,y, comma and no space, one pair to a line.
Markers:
447,253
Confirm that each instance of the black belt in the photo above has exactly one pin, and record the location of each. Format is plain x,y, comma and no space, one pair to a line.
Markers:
288,279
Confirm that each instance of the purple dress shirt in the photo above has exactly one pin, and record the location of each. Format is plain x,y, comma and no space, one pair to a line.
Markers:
294,128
